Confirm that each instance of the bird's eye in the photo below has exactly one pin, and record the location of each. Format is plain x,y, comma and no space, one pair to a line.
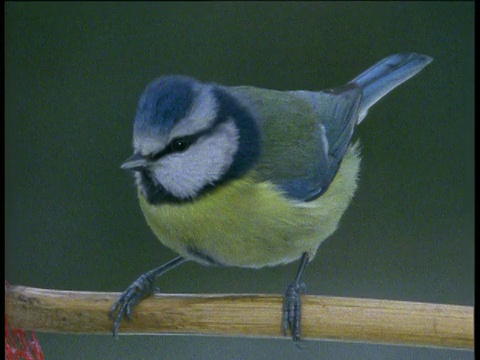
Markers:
179,145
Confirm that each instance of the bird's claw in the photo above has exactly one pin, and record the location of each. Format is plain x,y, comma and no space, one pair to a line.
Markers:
292,309
125,304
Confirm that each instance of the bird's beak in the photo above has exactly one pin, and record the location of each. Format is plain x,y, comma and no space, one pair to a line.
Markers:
135,162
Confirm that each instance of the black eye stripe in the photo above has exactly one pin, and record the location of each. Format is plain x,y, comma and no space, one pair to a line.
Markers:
179,144
190,139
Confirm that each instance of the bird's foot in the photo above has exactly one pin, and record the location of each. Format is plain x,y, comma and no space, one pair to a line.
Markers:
292,309
142,287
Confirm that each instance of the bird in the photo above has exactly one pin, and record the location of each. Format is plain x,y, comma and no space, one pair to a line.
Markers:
242,176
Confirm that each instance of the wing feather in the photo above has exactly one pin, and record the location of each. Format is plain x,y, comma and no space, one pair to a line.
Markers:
304,135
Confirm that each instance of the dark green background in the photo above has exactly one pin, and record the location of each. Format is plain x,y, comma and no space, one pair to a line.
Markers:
74,73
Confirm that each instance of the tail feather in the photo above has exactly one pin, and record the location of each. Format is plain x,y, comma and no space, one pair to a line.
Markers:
385,76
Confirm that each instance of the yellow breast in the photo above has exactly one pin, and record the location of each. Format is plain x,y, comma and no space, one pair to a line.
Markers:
252,224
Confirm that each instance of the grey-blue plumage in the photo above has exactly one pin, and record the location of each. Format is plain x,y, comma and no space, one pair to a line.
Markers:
339,111
164,102
250,177
386,75
312,129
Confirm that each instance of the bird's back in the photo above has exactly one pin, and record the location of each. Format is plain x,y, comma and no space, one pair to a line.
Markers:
305,136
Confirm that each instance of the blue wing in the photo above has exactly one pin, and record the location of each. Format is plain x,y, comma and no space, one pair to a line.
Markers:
341,109
337,112
306,134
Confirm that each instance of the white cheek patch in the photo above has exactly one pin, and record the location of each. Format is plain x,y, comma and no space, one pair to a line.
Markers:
201,116
185,174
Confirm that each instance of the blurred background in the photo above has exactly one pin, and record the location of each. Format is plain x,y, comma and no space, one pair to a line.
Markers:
74,73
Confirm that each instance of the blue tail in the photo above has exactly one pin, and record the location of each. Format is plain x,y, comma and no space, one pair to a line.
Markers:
385,76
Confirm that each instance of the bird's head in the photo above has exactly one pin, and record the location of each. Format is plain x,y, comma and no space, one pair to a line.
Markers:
189,137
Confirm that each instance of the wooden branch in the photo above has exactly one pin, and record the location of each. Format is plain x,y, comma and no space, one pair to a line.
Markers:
334,318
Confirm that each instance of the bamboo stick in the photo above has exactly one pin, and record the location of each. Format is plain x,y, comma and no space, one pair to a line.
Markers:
334,318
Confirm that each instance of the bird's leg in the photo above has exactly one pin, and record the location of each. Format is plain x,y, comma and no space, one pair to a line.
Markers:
140,288
292,305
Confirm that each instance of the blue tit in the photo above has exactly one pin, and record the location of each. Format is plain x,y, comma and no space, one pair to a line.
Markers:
249,177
